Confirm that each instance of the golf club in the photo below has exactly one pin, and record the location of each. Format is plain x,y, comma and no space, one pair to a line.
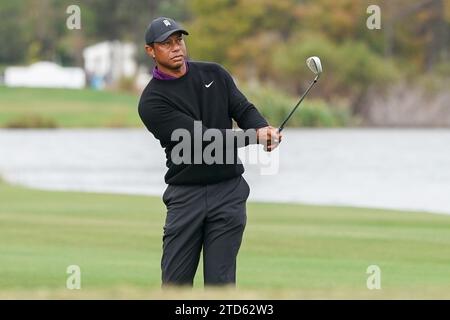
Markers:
315,65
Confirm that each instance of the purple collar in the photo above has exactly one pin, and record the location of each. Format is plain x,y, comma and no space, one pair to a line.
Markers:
164,76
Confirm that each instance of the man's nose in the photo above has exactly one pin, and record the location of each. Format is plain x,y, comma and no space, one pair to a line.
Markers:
176,47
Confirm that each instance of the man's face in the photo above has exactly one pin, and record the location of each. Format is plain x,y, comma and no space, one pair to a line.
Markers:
170,53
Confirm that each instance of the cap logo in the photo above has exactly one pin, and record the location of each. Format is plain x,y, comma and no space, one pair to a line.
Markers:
166,22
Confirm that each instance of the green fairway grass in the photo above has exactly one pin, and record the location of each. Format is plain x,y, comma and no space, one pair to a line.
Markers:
289,251
69,108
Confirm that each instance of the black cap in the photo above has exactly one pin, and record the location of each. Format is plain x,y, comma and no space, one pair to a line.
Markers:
160,29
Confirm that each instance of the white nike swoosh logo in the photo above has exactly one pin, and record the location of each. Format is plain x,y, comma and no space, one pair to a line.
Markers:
209,84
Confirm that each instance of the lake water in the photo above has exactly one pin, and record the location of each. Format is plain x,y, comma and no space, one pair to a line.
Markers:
386,168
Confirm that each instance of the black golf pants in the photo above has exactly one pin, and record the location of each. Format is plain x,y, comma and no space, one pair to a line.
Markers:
211,217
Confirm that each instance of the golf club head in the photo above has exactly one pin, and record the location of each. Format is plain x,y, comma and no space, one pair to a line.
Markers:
314,64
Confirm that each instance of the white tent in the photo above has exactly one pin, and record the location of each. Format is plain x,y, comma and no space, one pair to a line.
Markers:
110,60
45,75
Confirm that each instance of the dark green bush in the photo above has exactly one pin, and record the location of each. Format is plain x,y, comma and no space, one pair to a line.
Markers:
275,106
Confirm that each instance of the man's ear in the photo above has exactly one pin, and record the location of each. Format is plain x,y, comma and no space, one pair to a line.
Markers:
150,50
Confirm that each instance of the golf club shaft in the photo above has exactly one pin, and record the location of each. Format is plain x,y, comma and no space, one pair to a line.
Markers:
298,103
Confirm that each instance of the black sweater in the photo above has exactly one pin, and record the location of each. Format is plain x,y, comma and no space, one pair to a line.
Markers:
166,105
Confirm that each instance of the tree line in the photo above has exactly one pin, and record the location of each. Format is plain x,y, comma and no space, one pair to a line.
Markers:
260,41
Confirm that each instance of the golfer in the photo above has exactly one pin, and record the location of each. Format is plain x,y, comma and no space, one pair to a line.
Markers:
206,203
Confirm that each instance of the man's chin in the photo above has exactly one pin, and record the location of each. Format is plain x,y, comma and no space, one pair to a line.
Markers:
174,65
178,64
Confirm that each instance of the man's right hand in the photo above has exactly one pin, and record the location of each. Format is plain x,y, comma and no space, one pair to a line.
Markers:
269,137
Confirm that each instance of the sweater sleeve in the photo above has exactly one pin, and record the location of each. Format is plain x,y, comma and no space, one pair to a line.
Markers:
162,120
241,110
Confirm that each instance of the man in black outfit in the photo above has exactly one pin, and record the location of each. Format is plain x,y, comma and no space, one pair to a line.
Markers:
206,202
